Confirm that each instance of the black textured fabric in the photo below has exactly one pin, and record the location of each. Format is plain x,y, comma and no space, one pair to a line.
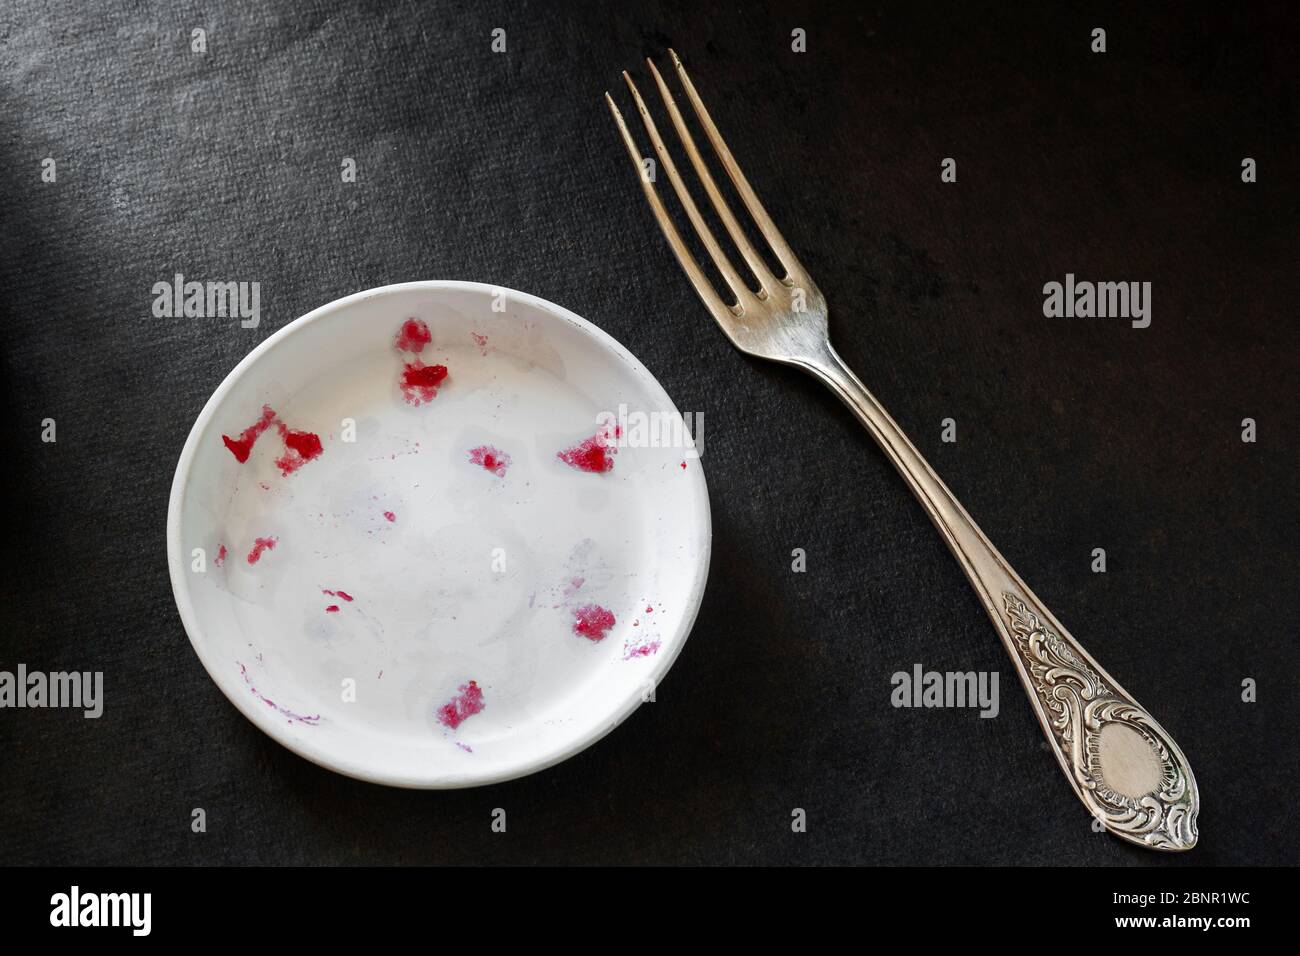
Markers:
1073,434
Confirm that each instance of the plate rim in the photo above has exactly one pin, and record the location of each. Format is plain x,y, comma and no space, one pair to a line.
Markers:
321,756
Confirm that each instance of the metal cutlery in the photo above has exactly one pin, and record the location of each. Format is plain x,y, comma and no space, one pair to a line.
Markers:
1121,763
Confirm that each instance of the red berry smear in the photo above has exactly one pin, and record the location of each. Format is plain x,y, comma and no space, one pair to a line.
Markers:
242,446
596,454
420,382
491,459
592,622
261,546
300,448
413,336
461,707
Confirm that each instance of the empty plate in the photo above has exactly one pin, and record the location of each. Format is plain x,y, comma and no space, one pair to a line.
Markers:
438,534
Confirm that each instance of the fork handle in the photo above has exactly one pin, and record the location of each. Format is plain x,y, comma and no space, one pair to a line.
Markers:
1123,765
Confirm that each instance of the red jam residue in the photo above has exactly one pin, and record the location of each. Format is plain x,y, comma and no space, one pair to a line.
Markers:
595,454
413,336
592,622
260,547
420,382
300,448
242,446
490,459
464,705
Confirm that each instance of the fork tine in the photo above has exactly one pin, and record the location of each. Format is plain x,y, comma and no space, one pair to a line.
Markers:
744,297
766,280
794,270
720,310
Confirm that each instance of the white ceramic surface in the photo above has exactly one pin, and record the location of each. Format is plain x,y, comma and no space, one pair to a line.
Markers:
455,573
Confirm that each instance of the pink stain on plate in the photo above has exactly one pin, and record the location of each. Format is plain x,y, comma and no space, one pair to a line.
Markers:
341,594
289,715
332,609
633,651
490,459
390,516
413,336
260,547
420,382
592,622
467,703
221,556
242,446
299,448
594,455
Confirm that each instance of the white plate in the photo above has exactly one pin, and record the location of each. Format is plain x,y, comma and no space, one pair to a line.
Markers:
443,571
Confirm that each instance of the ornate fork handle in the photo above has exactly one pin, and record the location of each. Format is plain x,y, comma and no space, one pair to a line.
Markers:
1123,765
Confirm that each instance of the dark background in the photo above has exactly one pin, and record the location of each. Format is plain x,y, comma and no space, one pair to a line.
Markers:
1073,433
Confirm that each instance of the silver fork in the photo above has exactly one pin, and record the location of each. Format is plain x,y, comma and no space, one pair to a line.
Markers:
1123,765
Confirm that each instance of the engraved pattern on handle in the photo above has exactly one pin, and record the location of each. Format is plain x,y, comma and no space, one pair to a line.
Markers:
1121,763
1079,702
